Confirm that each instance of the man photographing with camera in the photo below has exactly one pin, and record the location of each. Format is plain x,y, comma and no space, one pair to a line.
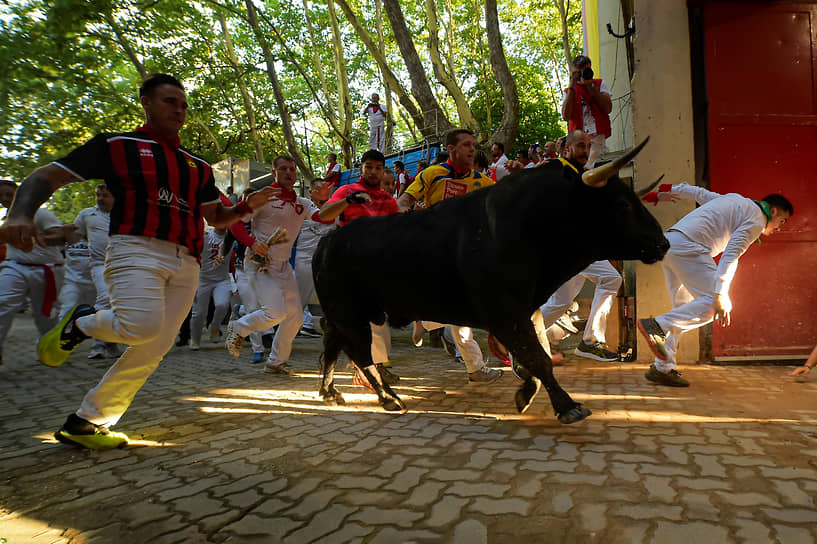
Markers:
587,106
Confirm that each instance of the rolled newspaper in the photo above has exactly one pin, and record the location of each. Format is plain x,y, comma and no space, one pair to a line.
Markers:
279,236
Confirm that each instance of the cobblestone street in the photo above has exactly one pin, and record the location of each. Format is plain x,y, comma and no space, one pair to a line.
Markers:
225,453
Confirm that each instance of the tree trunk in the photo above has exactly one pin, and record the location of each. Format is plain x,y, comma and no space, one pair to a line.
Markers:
125,45
563,10
389,136
434,118
242,87
508,129
286,119
391,79
346,112
467,118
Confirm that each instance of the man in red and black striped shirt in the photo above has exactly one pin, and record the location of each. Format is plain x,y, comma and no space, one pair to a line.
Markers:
163,193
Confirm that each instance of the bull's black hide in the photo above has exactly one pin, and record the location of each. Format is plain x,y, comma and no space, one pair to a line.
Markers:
484,259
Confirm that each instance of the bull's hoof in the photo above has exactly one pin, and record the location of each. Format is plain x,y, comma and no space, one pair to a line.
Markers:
577,413
333,398
394,405
525,395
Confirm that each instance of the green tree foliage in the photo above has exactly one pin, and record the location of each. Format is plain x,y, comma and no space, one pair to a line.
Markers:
72,68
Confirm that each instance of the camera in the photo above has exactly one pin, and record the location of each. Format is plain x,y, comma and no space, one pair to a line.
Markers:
587,73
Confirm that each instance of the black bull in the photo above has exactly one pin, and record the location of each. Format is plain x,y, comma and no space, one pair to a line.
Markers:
486,259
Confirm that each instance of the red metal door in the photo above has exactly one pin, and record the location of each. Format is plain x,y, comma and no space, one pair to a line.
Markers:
761,77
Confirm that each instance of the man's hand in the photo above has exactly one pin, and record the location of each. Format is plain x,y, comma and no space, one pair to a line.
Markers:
260,248
20,233
723,308
359,197
800,370
513,166
259,198
69,232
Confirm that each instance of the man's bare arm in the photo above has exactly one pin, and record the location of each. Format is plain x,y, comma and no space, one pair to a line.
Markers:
219,215
405,203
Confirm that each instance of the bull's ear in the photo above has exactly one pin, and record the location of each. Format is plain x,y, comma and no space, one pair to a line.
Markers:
597,177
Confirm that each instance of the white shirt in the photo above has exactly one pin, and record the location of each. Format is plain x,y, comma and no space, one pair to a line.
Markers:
726,224
311,233
78,263
287,215
377,115
44,219
588,122
210,271
500,161
94,225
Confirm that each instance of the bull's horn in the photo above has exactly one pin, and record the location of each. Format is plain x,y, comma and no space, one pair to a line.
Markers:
643,192
597,177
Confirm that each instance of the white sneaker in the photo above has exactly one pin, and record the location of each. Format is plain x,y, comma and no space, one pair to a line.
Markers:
193,346
234,341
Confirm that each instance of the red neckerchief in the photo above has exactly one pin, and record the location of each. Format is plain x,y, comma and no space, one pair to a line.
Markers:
329,170
287,195
175,142
375,108
457,173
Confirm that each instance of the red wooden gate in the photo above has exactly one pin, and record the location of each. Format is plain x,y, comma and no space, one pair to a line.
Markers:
761,77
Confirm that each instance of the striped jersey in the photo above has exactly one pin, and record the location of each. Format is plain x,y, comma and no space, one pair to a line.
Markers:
158,185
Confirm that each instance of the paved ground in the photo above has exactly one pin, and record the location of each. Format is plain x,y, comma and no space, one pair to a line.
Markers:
225,453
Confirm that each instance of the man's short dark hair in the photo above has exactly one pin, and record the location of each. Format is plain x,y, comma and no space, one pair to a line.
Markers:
373,155
8,183
523,152
452,137
500,145
780,202
481,160
315,181
158,79
440,157
279,158
400,165
581,60
101,186
333,156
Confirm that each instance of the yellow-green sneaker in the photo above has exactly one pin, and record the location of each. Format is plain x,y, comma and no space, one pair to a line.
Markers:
57,344
80,432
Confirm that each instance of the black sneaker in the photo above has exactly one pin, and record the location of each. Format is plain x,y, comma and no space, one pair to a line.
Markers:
449,346
672,378
387,375
654,335
596,351
80,432
57,344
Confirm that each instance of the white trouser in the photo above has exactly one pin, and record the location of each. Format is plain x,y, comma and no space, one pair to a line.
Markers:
607,280
220,291
152,283
103,299
76,292
381,342
276,291
18,283
597,147
464,338
306,286
689,272
377,136
248,300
